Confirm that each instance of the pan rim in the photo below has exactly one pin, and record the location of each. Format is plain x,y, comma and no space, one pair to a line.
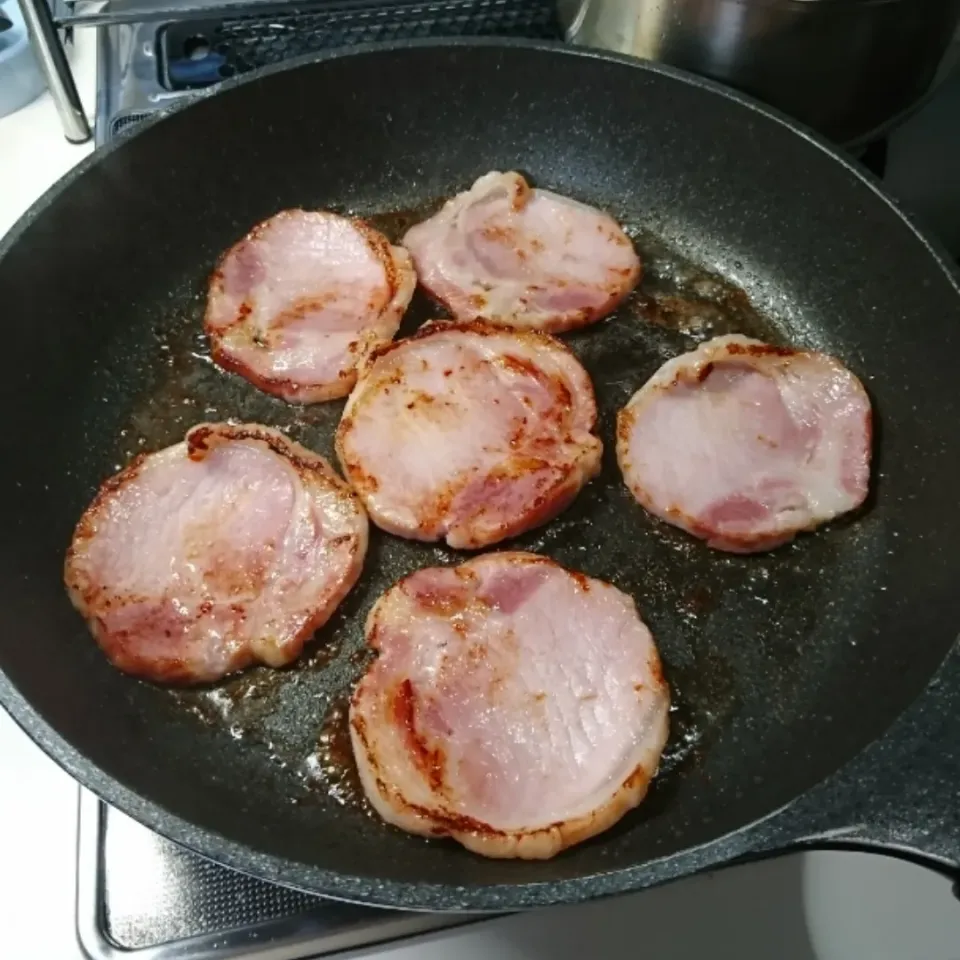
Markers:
336,885
835,152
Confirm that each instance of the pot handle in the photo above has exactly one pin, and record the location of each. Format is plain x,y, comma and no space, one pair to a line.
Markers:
900,796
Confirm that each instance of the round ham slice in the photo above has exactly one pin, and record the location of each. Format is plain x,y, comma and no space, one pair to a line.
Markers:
469,433
745,445
226,549
300,301
515,706
523,257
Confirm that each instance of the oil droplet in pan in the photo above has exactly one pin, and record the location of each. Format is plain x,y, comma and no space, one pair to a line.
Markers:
331,766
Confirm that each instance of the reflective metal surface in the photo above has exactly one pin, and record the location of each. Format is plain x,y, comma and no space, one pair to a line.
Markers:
849,68
100,12
147,67
48,49
128,84
141,897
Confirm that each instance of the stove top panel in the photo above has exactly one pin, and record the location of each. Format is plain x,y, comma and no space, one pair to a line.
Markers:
149,67
142,897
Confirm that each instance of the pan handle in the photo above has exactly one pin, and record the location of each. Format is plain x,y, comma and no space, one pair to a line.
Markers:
900,796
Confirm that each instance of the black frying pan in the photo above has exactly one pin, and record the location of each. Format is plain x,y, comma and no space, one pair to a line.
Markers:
784,667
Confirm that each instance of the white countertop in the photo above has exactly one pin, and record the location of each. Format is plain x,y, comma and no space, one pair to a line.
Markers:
821,906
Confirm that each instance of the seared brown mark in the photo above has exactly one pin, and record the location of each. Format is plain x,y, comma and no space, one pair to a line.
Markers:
555,384
582,580
343,540
430,761
433,513
304,306
497,233
521,365
87,525
155,619
223,576
215,287
444,590
476,654
640,778
392,378
439,599
519,432
480,328
447,821
759,350
421,399
549,503
171,672
362,480
624,425
202,438
383,251
522,193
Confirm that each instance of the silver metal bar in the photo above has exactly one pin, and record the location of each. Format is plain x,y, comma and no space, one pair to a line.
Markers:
48,49
105,12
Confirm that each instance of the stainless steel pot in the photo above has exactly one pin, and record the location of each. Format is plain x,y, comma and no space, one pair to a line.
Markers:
849,68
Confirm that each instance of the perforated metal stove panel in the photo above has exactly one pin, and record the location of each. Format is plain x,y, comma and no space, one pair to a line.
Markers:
200,52
142,897
143,68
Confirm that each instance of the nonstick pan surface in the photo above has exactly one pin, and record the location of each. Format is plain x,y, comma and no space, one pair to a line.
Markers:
784,666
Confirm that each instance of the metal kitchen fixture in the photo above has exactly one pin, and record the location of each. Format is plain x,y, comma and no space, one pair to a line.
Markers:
171,46
849,68
140,897
146,67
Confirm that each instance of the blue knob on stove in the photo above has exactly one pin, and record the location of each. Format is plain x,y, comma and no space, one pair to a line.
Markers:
21,81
